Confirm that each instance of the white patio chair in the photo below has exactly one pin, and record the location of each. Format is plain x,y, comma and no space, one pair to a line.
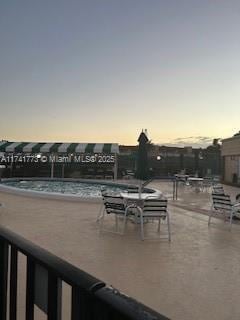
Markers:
154,209
115,205
206,184
104,193
132,189
218,189
100,214
221,204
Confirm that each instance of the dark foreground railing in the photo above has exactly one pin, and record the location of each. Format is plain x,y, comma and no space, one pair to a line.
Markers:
45,272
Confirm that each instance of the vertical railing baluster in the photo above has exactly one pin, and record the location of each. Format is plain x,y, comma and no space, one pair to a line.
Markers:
91,299
3,278
13,283
176,193
54,298
75,308
174,182
81,306
30,289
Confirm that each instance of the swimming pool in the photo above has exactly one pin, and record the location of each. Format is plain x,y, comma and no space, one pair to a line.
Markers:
79,188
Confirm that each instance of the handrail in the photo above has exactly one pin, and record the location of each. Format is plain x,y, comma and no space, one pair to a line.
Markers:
126,306
63,269
145,183
92,299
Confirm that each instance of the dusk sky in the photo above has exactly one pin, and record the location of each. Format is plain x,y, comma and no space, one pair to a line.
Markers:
101,70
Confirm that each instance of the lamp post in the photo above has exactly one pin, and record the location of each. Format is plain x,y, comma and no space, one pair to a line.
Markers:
159,158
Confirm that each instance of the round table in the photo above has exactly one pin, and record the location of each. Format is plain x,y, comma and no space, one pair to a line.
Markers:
196,182
137,199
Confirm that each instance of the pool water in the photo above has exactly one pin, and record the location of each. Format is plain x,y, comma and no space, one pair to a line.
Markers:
83,189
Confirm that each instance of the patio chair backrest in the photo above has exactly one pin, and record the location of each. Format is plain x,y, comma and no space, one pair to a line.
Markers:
221,202
218,189
152,205
114,204
207,181
133,189
103,192
107,193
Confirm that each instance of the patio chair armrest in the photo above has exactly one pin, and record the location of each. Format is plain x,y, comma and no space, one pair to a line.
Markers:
236,205
131,206
155,197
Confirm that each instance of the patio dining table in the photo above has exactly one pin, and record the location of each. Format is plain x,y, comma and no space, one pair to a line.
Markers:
182,177
137,199
196,183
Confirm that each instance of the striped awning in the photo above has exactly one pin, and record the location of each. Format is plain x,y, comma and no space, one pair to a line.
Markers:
41,147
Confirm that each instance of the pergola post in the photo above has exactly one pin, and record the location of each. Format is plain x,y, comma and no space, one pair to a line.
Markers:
11,169
52,167
115,168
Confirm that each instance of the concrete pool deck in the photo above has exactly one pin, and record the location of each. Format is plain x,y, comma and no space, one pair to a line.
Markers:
196,276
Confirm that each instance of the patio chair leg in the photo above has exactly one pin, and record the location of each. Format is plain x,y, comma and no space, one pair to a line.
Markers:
141,225
100,213
231,215
124,221
169,229
101,224
116,222
209,219
159,224
210,216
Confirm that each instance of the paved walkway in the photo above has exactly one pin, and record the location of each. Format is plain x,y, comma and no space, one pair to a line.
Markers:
196,276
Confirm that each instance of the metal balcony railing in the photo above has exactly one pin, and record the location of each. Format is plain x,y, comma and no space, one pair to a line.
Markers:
91,298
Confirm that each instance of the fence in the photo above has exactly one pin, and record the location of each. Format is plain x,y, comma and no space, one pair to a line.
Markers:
91,299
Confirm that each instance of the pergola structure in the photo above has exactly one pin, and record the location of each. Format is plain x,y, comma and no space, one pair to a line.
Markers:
83,153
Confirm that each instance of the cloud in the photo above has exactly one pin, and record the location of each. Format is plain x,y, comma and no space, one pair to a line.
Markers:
195,142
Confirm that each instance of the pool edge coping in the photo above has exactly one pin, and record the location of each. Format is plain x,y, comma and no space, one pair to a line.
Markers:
59,196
